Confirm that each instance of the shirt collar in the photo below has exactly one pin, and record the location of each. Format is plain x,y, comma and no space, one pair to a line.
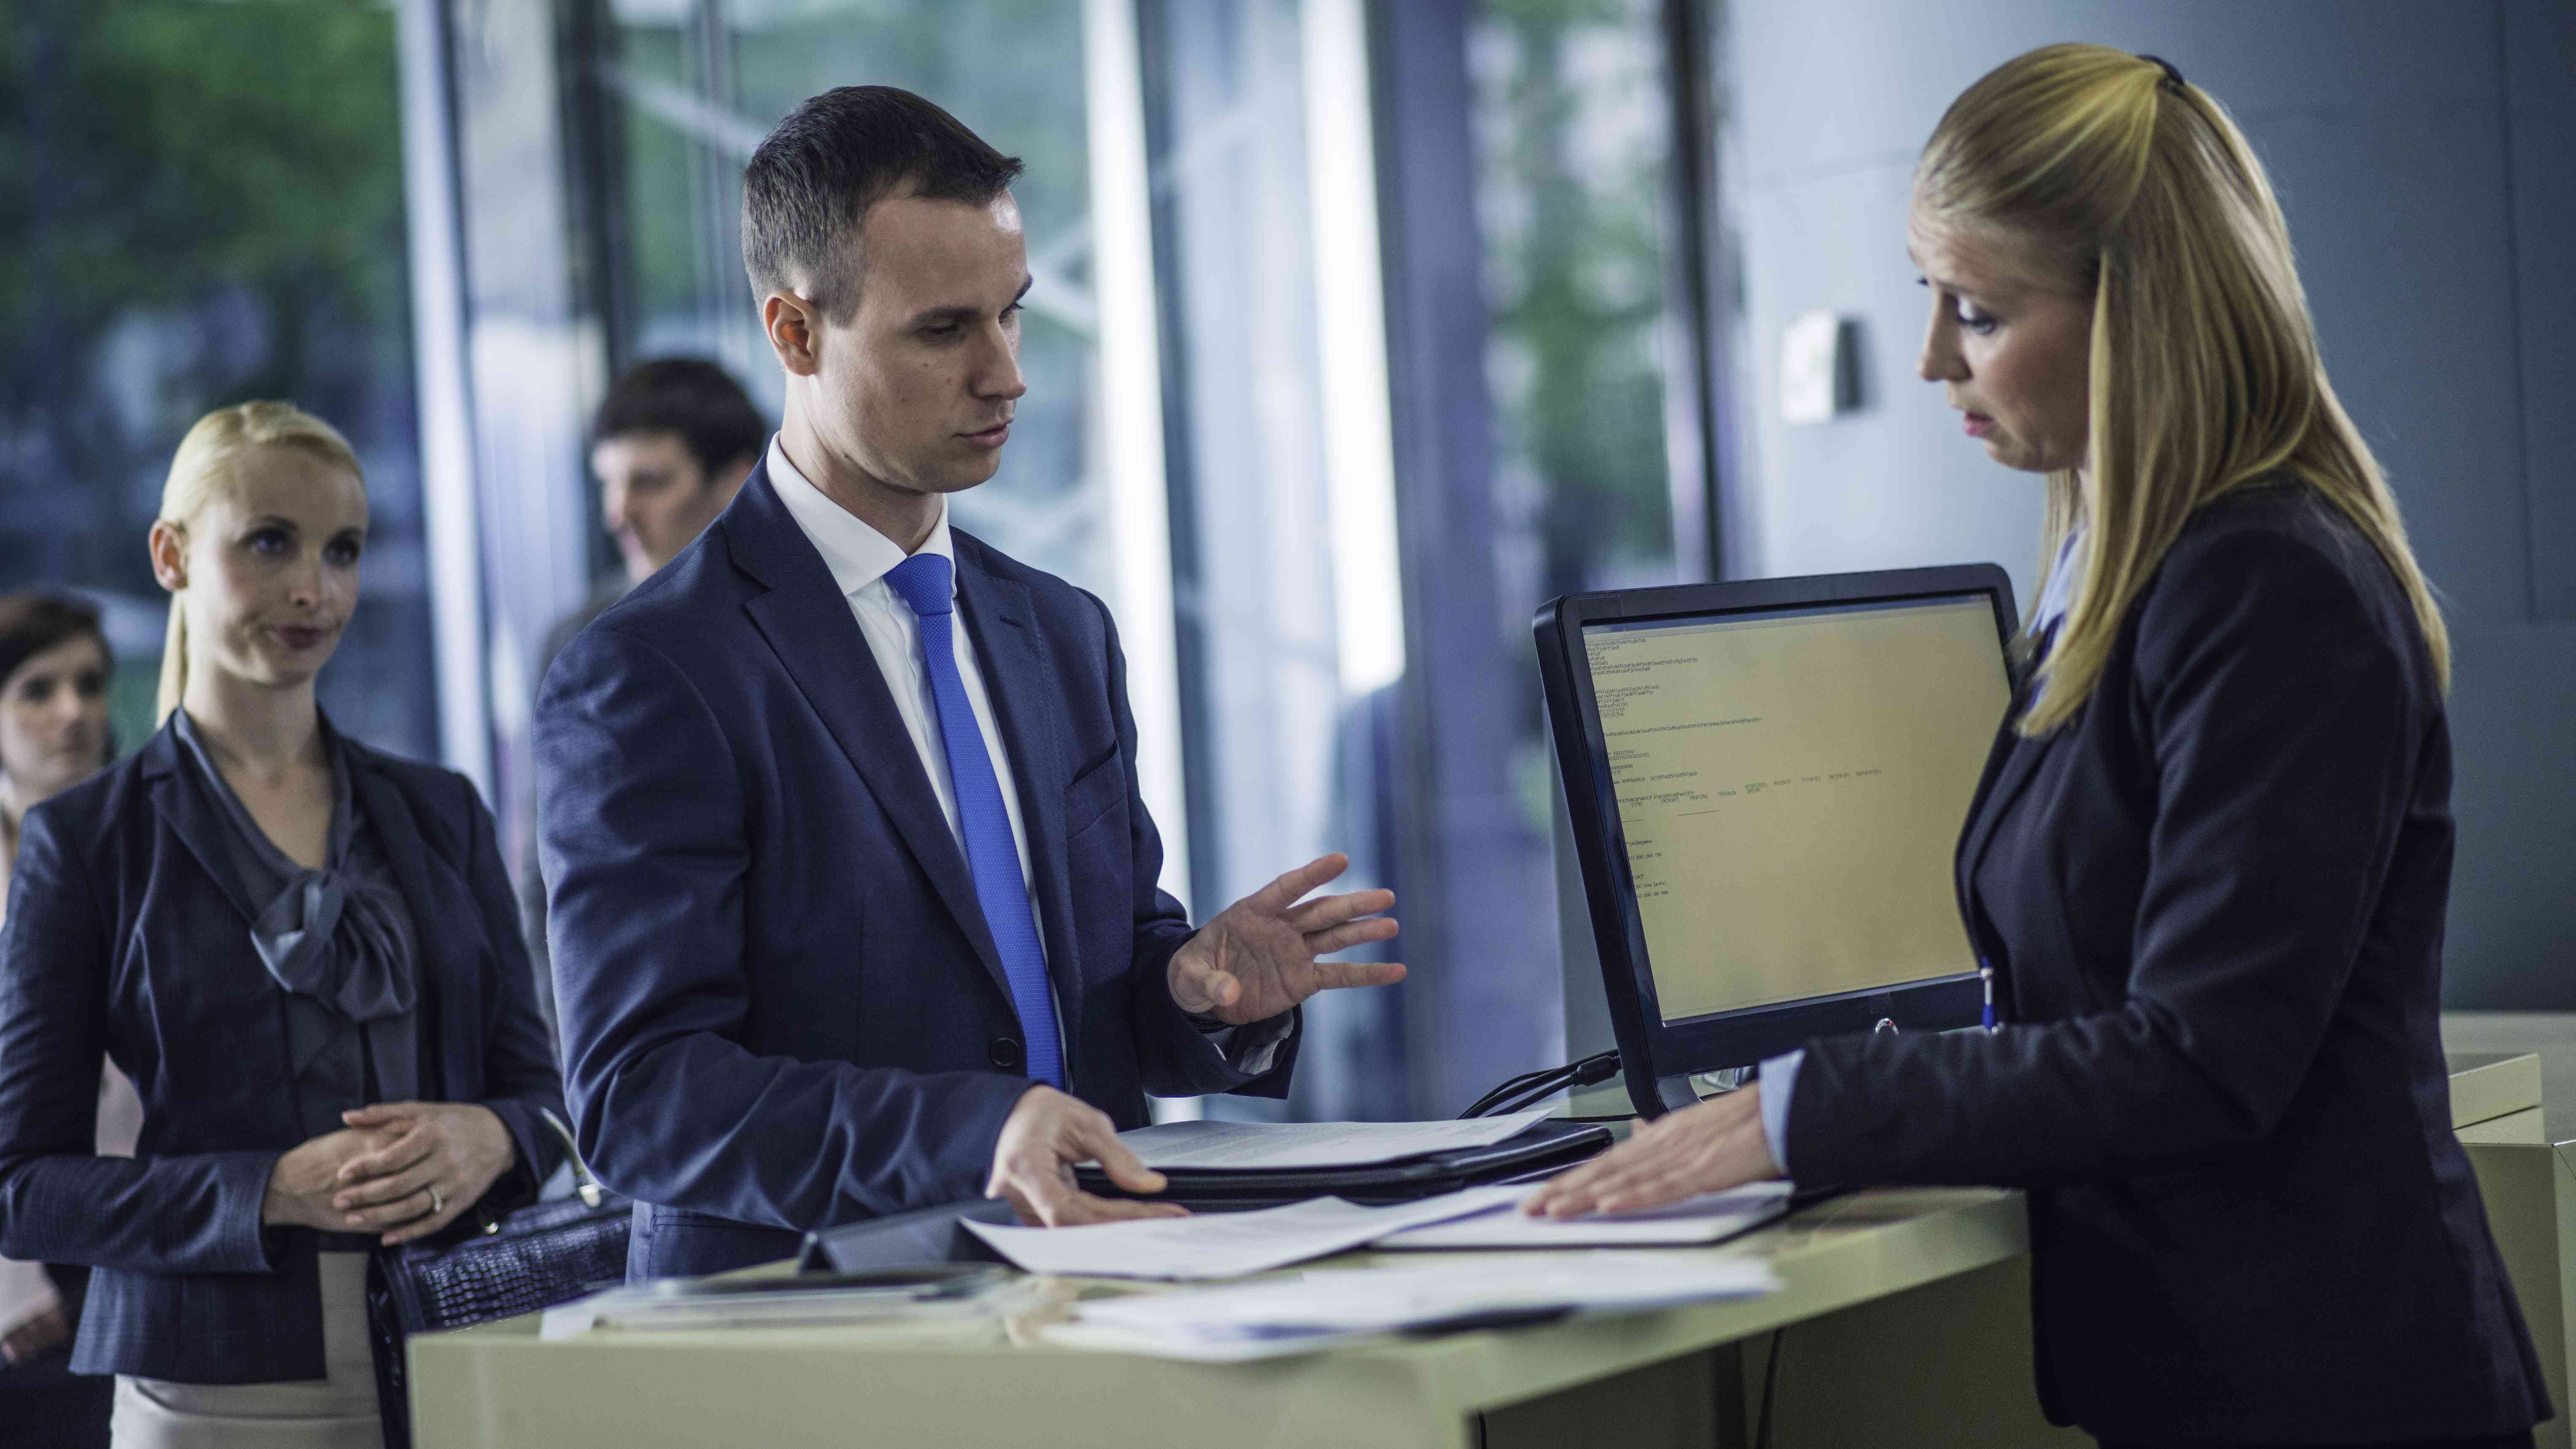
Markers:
2059,595
854,551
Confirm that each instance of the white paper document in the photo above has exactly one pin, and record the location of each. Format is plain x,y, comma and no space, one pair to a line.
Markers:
641,1307
1270,1146
1706,1218
1223,1245
1331,1308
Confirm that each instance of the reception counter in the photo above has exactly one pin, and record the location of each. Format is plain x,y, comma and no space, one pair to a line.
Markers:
1903,1318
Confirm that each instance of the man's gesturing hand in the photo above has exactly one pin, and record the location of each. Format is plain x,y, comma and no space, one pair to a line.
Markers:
1045,1135
1257,958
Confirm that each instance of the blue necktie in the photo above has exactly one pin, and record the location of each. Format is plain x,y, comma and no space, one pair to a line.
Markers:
991,854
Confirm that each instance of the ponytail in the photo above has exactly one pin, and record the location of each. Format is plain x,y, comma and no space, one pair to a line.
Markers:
174,663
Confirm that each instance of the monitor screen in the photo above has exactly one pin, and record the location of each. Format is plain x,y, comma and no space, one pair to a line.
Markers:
1791,785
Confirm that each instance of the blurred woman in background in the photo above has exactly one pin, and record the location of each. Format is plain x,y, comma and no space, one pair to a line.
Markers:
306,955
54,668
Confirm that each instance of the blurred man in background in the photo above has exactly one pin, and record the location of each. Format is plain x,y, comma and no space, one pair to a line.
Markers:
671,444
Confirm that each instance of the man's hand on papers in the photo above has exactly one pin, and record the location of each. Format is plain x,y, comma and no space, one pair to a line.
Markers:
1708,1148
1045,1135
1257,958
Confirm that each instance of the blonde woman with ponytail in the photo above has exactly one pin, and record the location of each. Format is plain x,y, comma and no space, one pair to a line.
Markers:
2211,858
303,952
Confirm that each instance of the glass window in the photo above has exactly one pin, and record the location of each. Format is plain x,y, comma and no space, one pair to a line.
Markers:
1281,709
1574,143
203,204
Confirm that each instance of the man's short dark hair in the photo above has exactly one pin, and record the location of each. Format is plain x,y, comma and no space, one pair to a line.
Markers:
689,396
814,178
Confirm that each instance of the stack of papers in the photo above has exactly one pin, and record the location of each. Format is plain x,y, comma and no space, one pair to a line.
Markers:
1329,1309
1225,1245
1708,1218
1282,1146
653,1307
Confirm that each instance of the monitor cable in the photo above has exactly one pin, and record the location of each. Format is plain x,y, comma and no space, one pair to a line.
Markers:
1529,1087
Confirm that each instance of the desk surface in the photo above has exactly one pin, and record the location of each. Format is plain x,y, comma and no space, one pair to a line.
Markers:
498,1385
987,1384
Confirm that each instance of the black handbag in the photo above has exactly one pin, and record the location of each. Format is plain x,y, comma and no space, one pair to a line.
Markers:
530,1259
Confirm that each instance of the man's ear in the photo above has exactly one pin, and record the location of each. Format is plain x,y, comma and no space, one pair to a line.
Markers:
793,325
169,556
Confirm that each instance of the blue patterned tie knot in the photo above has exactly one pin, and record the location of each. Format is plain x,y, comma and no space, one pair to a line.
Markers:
925,582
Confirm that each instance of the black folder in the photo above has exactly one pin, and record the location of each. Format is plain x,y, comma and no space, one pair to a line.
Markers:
939,1235
1546,1148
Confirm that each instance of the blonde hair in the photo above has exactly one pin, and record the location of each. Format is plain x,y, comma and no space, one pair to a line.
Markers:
2108,173
208,459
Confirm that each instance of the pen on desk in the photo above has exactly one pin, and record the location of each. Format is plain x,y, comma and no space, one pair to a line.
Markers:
1988,973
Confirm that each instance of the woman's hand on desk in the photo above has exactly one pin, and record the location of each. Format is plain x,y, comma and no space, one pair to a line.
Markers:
1708,1148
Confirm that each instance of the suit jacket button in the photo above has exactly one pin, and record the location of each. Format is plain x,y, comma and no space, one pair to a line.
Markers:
1005,1052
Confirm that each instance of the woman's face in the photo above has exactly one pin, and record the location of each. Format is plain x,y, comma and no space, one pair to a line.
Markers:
268,569
53,718
2012,355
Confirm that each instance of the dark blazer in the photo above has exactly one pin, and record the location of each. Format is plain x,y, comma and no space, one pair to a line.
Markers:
781,1007
123,938
2214,906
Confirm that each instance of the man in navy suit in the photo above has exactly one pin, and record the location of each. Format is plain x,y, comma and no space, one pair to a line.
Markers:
853,898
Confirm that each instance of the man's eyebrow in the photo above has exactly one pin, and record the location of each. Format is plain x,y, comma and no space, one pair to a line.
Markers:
961,312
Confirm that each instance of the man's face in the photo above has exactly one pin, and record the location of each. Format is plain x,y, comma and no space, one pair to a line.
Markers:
919,382
654,497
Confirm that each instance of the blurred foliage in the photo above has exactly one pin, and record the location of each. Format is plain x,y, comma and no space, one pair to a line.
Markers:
1572,126
235,165
201,202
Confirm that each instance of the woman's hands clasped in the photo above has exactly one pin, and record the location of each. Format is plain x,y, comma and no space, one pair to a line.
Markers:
1708,1148
400,1169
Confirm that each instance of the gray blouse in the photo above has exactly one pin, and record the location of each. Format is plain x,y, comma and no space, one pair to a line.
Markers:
340,940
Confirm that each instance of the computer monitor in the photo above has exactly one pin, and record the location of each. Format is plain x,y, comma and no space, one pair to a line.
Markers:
1766,783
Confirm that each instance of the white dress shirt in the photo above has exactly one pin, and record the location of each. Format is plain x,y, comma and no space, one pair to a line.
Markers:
860,558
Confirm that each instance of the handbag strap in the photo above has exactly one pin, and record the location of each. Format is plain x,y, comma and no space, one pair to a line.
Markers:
589,1189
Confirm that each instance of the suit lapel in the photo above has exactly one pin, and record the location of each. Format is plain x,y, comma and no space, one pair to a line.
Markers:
1026,700
2009,766
183,806
449,971
808,625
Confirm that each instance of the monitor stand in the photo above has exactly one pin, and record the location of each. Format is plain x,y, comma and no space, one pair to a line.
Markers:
1676,1092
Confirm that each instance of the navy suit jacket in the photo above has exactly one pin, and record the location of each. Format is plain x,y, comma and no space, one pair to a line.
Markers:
781,1007
125,938
2214,905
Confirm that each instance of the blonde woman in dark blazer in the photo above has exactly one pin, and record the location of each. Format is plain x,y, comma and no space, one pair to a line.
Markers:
2211,853
306,956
